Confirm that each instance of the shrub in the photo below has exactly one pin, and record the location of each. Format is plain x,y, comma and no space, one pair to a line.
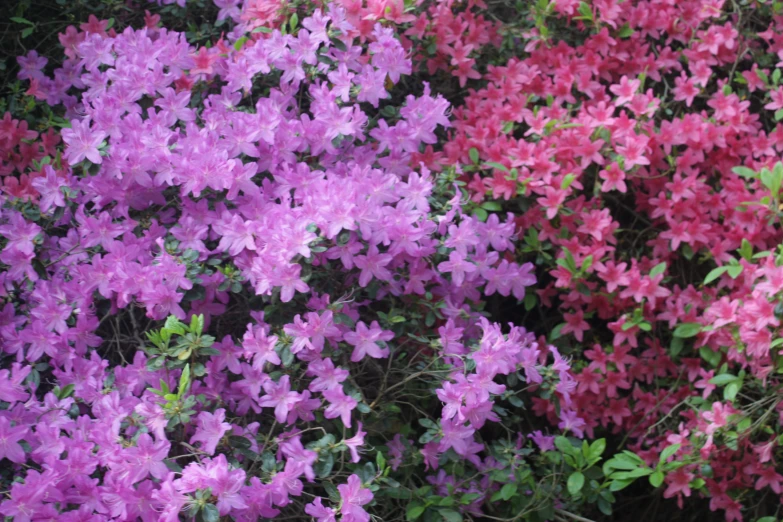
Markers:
262,267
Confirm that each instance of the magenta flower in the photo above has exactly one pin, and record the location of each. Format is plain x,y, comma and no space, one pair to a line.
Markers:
373,264
83,142
9,441
458,267
340,405
321,513
280,397
148,458
355,442
210,430
354,496
365,341
11,388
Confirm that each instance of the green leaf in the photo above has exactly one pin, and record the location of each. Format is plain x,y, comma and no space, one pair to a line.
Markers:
480,214
66,391
380,460
585,11
508,491
427,423
745,172
493,206
184,381
564,445
235,441
323,468
400,493
174,325
687,330
676,347
710,356
449,515
209,513
587,263
746,250
414,511
656,479
474,155
331,491
27,32
772,179
731,390
197,324
20,20
668,452
496,165
447,502
239,43
658,269
293,22
567,181
625,31
597,448
339,44
575,482
723,379
735,271
714,274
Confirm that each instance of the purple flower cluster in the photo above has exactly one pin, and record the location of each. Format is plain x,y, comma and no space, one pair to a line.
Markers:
189,175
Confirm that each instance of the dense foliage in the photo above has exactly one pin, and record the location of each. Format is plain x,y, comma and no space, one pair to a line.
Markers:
431,260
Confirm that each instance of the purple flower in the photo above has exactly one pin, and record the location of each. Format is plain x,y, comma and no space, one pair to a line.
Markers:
83,142
210,430
9,441
353,497
365,341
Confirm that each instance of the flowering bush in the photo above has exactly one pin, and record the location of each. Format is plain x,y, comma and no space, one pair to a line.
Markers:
279,265
261,190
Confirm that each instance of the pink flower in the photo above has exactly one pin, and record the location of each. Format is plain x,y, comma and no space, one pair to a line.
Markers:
458,267
575,323
210,430
340,405
11,387
678,483
9,441
354,496
321,513
373,264
83,142
147,458
355,442
365,341
625,90
280,397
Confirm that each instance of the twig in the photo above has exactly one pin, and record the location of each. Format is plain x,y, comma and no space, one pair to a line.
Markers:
572,516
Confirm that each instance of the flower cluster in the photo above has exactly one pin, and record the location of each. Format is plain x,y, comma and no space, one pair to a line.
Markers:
622,154
239,189
273,273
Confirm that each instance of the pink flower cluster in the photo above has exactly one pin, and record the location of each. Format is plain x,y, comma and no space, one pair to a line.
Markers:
621,146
